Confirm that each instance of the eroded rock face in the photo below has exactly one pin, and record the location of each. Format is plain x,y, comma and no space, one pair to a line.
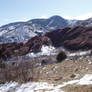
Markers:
9,50
36,43
58,36
18,49
74,38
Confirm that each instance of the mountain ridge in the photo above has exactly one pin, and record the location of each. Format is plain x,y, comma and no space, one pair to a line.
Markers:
23,31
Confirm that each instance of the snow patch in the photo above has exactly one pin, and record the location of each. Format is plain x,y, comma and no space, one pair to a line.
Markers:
11,27
82,53
2,32
45,50
28,87
86,80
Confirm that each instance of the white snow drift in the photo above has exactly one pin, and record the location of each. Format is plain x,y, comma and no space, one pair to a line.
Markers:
45,50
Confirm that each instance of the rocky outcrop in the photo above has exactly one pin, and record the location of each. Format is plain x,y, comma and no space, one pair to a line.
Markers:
18,49
36,43
74,38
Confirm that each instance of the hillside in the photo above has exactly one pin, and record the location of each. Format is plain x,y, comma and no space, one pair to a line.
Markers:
23,31
70,75
70,38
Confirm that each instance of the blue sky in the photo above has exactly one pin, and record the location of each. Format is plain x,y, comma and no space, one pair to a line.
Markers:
22,10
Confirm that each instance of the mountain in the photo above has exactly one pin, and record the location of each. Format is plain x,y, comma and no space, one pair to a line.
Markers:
23,31
52,23
19,32
87,22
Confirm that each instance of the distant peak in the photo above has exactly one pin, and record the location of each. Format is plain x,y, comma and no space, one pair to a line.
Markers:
56,16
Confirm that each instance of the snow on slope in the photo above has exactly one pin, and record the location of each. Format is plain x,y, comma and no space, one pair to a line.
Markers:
81,53
20,33
45,50
72,22
40,86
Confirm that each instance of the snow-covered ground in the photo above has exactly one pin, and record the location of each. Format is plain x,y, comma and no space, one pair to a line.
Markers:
45,50
81,53
50,50
28,87
78,54
43,86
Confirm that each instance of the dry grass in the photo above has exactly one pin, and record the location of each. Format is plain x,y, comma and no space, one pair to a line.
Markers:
78,88
53,73
23,72
61,72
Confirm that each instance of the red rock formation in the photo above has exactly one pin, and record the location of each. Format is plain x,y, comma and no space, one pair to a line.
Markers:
36,43
18,49
74,38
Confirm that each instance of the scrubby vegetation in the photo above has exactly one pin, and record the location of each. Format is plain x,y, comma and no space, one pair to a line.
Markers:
78,88
19,72
61,56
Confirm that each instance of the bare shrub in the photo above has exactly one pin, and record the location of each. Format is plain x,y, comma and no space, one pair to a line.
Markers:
21,72
43,62
61,56
2,65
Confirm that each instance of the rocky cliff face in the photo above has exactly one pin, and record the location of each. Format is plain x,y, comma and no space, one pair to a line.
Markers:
73,38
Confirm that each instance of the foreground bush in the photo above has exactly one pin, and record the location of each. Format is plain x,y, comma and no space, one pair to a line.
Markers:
61,56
